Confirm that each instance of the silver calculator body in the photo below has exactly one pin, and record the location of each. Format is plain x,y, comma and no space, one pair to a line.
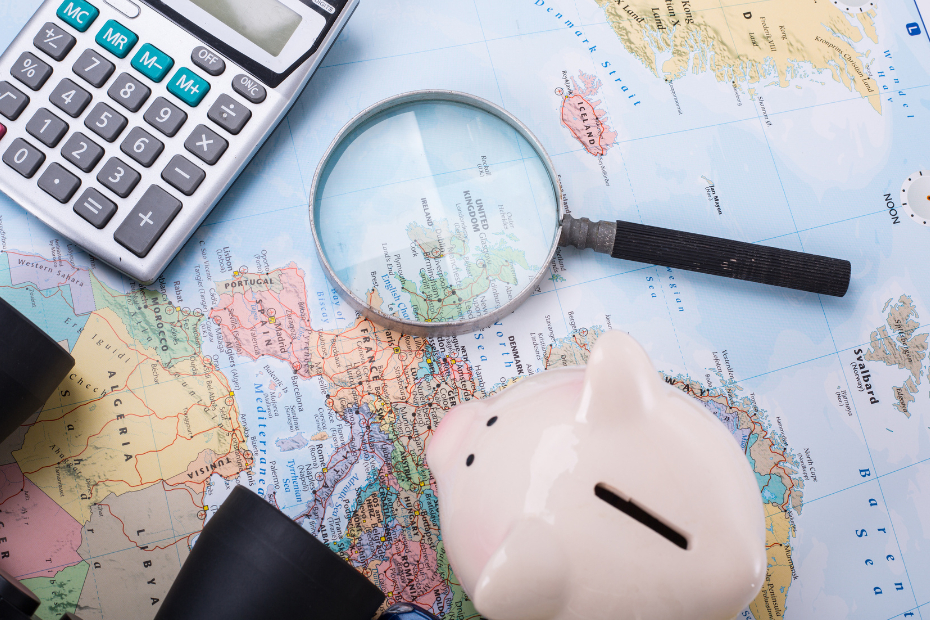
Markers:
123,123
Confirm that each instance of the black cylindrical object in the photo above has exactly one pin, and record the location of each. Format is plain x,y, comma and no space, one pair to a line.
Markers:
731,259
31,367
17,602
252,561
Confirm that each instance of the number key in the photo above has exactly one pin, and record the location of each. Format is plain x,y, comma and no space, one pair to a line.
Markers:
129,92
54,41
12,101
24,158
165,117
106,122
70,98
118,177
47,128
93,68
31,71
82,152
142,146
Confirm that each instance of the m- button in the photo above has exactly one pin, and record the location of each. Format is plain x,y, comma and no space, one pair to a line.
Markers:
208,61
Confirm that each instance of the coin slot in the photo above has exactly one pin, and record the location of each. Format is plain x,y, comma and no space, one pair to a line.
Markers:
640,514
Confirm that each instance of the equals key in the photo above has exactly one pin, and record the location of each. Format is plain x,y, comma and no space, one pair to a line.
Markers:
229,114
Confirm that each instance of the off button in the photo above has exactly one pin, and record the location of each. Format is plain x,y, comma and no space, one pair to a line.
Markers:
249,88
207,60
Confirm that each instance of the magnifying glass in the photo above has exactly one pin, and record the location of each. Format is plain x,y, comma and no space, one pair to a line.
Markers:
437,213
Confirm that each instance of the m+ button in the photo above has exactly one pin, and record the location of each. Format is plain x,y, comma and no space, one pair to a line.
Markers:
147,222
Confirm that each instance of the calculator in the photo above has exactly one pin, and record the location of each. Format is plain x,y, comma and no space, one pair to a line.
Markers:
123,122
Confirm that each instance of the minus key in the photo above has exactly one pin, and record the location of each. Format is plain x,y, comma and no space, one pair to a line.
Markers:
183,175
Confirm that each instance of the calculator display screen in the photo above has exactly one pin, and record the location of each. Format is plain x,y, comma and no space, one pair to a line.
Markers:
266,23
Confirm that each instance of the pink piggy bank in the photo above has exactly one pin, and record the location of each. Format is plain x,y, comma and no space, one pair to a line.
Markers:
598,492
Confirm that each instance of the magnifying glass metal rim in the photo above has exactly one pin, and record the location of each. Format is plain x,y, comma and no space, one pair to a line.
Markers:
445,328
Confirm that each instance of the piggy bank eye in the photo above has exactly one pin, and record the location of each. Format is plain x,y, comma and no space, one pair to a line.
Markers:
492,421
469,460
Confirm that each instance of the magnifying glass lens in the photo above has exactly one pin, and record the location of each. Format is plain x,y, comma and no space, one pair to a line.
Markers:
436,212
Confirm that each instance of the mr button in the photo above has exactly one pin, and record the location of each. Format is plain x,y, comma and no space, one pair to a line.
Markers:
147,221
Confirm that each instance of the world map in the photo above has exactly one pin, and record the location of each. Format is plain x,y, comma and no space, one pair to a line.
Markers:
778,122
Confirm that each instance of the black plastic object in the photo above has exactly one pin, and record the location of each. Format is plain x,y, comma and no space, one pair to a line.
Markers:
406,611
31,367
732,259
17,602
252,562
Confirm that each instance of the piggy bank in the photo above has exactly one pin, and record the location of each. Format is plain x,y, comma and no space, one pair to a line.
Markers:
598,492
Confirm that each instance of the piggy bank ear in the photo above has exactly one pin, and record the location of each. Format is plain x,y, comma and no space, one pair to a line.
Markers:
525,579
619,381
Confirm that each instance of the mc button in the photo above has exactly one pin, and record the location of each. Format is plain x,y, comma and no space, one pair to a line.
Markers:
78,14
188,87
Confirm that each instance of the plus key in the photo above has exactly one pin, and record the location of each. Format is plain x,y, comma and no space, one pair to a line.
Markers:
148,221
206,144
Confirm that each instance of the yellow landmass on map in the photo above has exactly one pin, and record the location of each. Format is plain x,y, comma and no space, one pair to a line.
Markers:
122,421
745,43
770,604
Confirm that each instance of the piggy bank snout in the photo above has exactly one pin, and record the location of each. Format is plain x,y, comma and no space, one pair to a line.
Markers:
451,434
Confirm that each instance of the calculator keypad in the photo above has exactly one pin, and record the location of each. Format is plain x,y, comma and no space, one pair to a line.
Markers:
24,158
59,183
106,122
118,177
54,41
47,128
31,71
93,68
81,151
96,208
70,98
206,144
229,114
12,101
129,92
142,146
145,66
148,220
165,117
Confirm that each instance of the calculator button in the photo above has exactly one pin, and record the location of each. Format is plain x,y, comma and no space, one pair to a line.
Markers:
47,128
188,87
59,183
129,92
78,14
152,62
142,146
31,71
165,117
95,208
249,88
82,152
229,114
70,98
118,177
207,60
106,122
54,41
12,101
94,68
24,158
117,38
148,221
183,175
206,144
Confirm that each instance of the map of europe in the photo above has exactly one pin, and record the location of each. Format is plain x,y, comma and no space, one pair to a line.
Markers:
779,122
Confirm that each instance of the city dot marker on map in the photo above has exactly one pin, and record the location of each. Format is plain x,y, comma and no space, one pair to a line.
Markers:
206,508
271,319
235,273
232,393
325,469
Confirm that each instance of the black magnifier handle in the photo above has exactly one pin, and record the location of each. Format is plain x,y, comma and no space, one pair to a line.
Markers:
711,255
